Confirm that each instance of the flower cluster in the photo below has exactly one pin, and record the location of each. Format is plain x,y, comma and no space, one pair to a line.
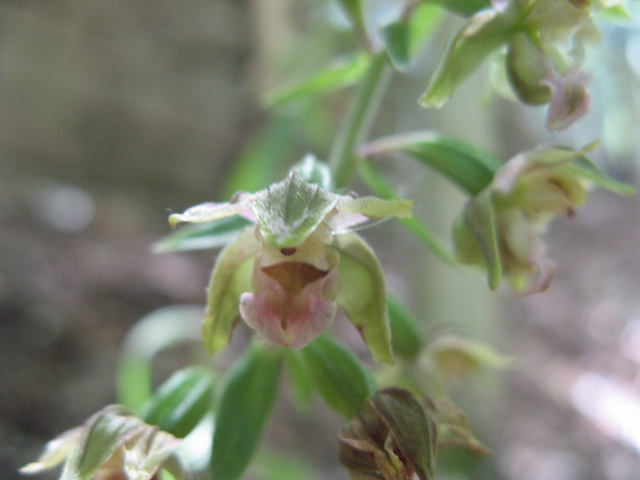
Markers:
287,274
544,40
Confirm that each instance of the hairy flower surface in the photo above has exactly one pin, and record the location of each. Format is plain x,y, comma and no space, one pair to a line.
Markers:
287,275
113,444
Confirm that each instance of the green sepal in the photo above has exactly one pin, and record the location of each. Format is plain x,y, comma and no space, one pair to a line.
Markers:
587,169
480,217
364,301
469,167
380,187
230,278
290,210
244,407
405,336
480,36
342,73
338,375
215,234
315,172
180,402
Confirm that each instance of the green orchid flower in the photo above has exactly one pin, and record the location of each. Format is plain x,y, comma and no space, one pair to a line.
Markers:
287,275
500,227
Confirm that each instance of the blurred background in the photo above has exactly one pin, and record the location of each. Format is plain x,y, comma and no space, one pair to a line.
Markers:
112,112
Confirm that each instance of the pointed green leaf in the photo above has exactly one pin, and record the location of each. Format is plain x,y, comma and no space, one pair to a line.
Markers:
471,168
355,12
403,38
341,74
244,408
55,452
396,38
230,278
412,427
380,187
363,294
480,36
181,402
202,236
405,336
338,375
289,211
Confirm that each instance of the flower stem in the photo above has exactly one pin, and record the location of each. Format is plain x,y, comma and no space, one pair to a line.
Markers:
359,118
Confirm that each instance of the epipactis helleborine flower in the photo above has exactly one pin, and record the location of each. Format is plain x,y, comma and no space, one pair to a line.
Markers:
113,444
287,275
500,227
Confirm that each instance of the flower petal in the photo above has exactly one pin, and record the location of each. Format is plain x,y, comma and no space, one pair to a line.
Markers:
293,302
230,278
362,294
206,212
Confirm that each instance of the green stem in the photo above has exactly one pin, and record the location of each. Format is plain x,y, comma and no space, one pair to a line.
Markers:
358,120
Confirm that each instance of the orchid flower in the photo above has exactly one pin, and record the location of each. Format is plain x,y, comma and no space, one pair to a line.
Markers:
287,275
113,444
500,227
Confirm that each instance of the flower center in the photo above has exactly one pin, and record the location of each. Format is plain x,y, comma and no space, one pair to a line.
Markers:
293,277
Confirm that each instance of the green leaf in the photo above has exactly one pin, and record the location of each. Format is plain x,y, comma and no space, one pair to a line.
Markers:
464,7
480,36
363,294
471,168
151,335
275,465
202,236
289,211
301,381
244,408
338,375
230,278
380,187
405,336
586,168
343,73
404,38
396,38
355,12
181,402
